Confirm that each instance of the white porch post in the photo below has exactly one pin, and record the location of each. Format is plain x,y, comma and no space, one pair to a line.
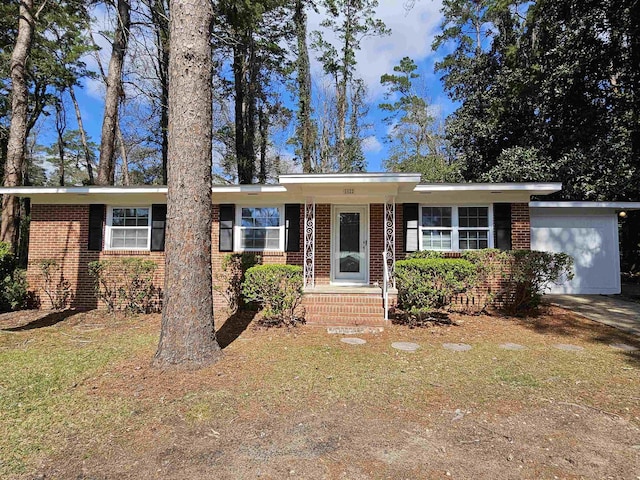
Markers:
390,238
309,242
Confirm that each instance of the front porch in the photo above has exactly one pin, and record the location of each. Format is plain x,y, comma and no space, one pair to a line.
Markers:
350,244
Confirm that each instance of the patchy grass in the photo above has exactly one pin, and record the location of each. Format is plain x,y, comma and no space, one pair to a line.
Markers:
78,398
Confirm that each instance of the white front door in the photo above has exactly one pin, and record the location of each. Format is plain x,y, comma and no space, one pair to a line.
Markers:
350,252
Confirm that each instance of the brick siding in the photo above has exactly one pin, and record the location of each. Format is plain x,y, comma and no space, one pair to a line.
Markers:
60,232
520,226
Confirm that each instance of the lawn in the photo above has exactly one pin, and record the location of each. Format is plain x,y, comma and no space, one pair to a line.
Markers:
78,399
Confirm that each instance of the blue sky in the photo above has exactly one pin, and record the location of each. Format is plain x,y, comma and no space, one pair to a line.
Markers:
412,33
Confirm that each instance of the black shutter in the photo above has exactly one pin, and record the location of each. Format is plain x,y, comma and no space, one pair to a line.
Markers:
410,226
502,225
96,220
227,214
292,227
158,226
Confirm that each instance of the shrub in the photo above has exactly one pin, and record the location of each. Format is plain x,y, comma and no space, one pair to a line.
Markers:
13,281
529,275
278,290
125,284
234,268
55,286
426,254
428,284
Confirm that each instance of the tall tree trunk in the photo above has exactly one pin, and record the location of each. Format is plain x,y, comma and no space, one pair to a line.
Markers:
60,128
245,168
83,136
263,127
160,17
188,334
341,113
113,96
9,226
305,125
123,157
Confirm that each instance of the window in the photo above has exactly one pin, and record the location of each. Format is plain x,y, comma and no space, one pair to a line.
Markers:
456,228
128,228
473,225
436,231
260,228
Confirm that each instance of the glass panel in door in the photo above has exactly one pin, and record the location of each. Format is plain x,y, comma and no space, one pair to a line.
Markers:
350,257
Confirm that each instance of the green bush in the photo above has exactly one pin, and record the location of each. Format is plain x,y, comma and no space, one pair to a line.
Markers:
126,284
426,254
234,268
428,284
13,281
529,275
278,290
55,286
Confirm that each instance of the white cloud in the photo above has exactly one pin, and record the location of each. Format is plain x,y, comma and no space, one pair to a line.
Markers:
412,33
371,144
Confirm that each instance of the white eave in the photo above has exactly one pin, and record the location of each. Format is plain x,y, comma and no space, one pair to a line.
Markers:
27,191
529,188
570,204
248,189
348,178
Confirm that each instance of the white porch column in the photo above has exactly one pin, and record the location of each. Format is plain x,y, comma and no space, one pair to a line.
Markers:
390,238
309,242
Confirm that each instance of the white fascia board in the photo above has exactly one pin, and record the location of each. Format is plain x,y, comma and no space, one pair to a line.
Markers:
532,188
347,178
248,189
28,191
569,204
92,190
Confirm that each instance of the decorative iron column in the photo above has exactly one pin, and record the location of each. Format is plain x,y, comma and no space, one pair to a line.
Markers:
390,238
309,242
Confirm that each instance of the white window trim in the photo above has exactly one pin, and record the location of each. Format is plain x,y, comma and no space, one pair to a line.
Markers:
109,229
455,227
237,229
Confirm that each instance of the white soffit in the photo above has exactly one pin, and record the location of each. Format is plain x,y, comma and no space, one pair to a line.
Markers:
567,204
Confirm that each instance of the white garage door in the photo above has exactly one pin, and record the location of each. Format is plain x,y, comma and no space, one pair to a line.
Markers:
590,236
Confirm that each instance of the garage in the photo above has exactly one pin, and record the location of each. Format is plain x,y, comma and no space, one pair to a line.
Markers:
588,231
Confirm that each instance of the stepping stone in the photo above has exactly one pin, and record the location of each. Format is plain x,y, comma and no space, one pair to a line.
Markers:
512,346
405,346
624,346
353,341
568,347
457,347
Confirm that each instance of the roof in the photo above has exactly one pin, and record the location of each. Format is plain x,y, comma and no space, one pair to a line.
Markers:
327,188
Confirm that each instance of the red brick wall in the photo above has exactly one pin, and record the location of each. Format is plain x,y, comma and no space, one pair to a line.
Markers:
61,232
376,242
520,226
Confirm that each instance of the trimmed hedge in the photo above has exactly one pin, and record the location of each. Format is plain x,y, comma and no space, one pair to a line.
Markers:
278,290
426,284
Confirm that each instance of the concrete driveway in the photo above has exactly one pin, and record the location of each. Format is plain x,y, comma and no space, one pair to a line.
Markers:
610,310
